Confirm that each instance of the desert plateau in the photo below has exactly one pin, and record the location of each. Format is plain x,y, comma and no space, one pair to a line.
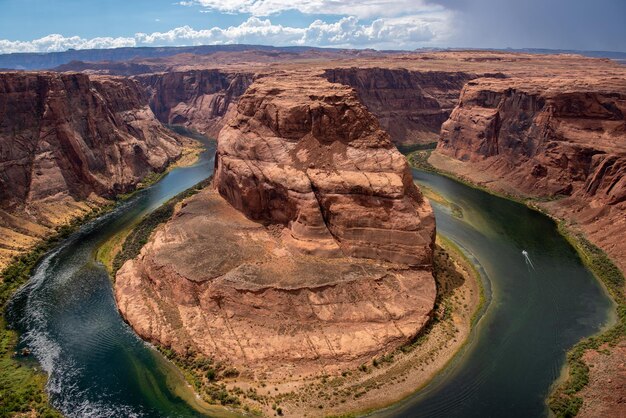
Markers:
363,220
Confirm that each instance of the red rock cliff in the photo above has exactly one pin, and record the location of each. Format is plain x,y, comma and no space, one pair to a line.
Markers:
201,99
410,105
303,283
306,153
549,137
74,134
68,137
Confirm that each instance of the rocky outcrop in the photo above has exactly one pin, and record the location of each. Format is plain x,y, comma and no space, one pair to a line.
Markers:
410,105
214,283
68,137
312,252
305,153
200,99
558,139
78,135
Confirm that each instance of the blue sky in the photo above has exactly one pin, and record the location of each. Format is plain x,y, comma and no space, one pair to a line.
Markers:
52,25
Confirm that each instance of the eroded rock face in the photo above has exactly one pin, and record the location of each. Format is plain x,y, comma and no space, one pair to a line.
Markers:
311,253
66,137
410,105
549,137
213,282
306,154
74,134
200,99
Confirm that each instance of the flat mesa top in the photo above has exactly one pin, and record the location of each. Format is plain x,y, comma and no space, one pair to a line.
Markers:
247,255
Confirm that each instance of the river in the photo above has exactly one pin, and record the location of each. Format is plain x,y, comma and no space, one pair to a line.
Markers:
98,367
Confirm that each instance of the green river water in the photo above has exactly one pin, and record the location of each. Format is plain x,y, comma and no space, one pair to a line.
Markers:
98,367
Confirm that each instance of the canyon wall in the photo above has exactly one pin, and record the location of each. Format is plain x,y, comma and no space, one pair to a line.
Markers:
305,153
311,253
67,138
410,105
200,99
559,140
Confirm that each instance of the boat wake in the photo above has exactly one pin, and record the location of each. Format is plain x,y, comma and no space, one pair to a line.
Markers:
529,263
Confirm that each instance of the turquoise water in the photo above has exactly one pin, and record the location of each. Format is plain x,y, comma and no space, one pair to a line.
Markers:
535,313
98,367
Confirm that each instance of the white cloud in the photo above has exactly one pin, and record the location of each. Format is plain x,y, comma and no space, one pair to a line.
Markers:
358,8
56,42
397,32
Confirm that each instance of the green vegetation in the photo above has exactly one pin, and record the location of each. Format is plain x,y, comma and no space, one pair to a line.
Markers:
407,149
107,250
140,234
419,159
204,375
148,180
22,388
563,401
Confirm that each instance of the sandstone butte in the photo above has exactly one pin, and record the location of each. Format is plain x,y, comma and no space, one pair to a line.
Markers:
312,252
66,142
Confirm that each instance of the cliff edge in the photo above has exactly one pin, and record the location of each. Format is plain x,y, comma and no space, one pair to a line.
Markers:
311,254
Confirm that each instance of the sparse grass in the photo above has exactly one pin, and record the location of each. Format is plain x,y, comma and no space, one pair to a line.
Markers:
564,401
22,389
139,235
204,374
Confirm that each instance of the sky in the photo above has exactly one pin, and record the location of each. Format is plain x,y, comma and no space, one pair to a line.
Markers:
58,25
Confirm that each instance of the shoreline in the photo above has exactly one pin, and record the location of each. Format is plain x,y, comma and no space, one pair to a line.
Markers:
391,377
563,399
21,384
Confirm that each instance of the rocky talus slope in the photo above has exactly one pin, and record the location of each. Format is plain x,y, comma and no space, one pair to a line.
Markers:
200,99
560,140
312,252
66,141
410,105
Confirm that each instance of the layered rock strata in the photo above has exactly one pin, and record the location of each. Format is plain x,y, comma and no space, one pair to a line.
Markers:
557,139
304,256
201,99
68,138
410,105
306,154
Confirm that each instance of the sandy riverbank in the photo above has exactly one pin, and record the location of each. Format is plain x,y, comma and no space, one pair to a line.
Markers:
385,380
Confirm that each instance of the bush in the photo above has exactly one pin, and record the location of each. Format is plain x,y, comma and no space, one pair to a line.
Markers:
140,234
563,401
